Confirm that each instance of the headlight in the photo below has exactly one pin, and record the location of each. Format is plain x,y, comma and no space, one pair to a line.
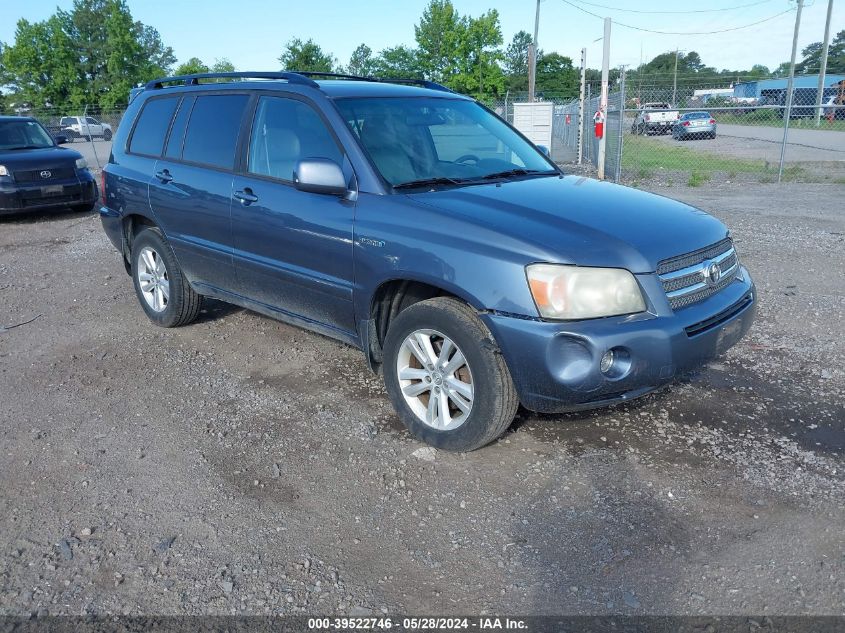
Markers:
3,171
81,163
573,292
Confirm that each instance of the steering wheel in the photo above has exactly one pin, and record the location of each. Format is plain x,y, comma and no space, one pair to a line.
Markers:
466,157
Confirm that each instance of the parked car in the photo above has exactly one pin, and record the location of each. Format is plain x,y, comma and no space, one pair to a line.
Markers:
694,125
85,127
657,117
37,174
467,267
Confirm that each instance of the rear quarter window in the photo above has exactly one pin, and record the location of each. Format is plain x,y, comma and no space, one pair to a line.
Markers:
152,125
212,134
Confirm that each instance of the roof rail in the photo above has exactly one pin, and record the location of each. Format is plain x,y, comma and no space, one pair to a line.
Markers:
295,77
431,85
424,83
192,80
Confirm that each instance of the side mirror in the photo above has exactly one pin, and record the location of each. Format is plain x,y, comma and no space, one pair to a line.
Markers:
60,139
544,149
319,175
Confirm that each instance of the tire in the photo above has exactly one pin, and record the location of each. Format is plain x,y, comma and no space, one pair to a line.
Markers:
492,400
107,135
171,304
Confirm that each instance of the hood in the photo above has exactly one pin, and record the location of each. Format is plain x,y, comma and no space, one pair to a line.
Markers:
44,158
574,220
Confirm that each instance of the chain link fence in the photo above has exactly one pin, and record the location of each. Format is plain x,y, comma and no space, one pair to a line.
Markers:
706,134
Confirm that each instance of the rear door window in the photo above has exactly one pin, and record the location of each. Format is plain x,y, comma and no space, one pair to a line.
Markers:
212,134
151,128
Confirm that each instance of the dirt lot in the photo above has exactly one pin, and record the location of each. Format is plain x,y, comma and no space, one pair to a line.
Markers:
239,465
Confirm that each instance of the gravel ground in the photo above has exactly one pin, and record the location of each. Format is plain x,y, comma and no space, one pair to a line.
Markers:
239,465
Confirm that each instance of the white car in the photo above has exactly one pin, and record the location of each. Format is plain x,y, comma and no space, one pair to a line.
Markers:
84,127
655,118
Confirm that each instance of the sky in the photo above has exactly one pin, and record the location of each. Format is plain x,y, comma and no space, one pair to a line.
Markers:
252,33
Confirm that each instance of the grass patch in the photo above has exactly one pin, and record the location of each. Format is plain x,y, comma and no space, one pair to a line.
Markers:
642,154
696,179
771,118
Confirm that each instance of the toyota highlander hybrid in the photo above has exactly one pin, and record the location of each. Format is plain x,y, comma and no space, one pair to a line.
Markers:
415,224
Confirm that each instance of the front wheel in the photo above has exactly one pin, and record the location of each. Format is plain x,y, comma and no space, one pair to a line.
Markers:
163,292
446,377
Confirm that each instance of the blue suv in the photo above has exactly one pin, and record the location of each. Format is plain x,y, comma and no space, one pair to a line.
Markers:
415,224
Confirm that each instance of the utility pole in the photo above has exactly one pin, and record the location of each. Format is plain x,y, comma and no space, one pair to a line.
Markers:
789,84
605,72
581,105
532,55
823,70
675,81
532,68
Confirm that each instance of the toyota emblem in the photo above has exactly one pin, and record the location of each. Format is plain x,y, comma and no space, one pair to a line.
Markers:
712,274
46,174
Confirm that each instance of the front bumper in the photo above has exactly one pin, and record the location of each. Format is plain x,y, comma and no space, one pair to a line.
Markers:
556,366
21,197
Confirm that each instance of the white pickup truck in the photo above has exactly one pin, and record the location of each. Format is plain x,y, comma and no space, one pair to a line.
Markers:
657,117
84,127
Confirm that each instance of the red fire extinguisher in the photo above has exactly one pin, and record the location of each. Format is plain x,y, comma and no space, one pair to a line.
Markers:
599,123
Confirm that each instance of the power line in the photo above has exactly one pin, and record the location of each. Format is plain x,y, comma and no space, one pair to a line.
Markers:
741,6
639,28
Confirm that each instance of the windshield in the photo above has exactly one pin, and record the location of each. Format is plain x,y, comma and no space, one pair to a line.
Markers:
696,115
426,141
23,135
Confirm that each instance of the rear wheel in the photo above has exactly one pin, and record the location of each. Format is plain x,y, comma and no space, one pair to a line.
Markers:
163,292
107,135
445,376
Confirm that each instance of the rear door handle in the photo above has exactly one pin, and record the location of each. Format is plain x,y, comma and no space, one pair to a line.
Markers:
164,176
246,196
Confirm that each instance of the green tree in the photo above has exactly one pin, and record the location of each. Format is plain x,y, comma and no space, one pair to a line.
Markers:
515,57
90,55
306,55
557,77
40,66
398,62
223,66
812,57
479,72
362,62
440,36
191,67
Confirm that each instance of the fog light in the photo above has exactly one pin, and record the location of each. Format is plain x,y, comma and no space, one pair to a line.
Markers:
607,361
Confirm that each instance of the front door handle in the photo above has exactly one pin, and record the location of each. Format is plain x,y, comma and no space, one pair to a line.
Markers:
246,196
164,176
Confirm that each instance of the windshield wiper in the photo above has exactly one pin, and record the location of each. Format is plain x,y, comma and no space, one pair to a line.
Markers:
424,182
28,147
519,171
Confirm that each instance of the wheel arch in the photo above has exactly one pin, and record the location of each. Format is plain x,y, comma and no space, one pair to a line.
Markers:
392,296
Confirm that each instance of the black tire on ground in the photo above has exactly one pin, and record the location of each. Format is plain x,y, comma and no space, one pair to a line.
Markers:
495,400
712,135
107,135
184,303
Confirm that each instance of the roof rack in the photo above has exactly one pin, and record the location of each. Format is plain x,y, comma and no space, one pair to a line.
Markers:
192,80
295,77
431,85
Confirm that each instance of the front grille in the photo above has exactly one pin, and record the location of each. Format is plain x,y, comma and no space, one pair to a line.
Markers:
34,175
688,279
